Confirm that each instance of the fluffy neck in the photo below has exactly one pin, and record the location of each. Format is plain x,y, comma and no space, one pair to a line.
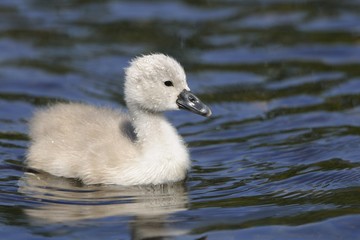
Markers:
149,127
156,137
153,129
162,155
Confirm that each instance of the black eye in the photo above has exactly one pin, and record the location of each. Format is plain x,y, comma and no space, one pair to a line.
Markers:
169,83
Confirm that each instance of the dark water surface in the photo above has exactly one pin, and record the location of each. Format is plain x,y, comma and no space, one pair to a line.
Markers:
279,159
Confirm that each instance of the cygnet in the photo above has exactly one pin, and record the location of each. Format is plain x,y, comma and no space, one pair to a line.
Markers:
104,146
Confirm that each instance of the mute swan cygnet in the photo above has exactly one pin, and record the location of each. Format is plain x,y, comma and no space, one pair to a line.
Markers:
104,146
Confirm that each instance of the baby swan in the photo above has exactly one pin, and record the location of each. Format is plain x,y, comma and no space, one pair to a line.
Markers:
104,146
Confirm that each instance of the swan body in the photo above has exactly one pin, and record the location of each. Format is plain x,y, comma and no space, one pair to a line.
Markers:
99,145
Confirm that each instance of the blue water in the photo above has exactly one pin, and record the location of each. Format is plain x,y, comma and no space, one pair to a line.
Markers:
279,158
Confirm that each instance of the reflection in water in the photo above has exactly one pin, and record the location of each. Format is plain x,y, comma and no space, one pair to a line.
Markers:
68,200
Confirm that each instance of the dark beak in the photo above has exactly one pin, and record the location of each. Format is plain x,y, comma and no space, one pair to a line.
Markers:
187,100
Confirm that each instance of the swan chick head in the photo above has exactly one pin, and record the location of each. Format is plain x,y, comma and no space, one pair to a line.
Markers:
157,83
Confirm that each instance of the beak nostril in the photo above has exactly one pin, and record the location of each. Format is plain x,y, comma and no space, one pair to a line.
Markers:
187,100
192,99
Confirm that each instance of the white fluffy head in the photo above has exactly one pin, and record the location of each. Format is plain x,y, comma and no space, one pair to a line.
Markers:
147,83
